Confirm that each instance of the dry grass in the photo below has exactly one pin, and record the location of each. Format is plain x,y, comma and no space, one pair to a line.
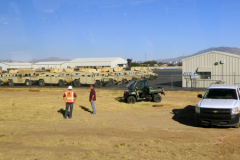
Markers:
32,127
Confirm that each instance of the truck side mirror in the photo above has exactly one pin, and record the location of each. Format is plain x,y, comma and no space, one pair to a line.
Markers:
199,95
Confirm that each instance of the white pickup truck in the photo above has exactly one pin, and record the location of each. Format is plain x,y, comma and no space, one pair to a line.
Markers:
219,106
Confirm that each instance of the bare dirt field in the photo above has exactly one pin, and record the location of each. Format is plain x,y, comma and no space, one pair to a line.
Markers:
32,127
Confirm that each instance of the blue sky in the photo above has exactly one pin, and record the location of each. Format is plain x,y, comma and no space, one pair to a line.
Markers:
37,29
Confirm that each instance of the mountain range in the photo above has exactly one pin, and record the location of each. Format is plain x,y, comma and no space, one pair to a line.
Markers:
232,50
41,60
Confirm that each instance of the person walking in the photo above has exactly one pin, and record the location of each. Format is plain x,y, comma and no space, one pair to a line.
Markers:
92,98
69,97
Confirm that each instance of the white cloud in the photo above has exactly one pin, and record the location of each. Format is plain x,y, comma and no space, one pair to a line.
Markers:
3,20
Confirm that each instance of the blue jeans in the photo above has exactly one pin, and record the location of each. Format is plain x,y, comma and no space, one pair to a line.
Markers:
93,107
66,111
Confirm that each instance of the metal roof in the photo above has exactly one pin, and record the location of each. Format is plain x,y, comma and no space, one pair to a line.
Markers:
50,63
107,59
16,63
223,53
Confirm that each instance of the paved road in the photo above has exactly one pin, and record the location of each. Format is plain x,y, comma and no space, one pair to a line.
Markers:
170,80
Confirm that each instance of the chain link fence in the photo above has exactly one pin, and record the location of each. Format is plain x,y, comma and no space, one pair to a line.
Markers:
205,81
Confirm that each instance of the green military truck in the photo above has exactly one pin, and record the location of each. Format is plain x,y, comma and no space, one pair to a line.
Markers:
139,90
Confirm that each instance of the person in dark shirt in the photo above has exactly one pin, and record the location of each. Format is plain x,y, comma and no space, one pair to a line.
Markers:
92,98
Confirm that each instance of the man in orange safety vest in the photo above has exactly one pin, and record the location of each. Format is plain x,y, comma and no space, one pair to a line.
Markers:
69,97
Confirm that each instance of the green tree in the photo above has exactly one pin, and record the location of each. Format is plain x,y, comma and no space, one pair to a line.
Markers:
171,64
134,64
151,63
179,64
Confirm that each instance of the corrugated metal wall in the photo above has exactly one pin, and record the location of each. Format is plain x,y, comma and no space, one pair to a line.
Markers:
227,72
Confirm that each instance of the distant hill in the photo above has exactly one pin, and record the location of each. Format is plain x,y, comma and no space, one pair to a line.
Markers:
41,60
49,59
220,49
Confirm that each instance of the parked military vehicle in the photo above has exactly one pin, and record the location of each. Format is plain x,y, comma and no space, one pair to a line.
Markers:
101,76
21,77
139,90
90,78
130,75
145,74
3,79
106,81
111,77
123,77
52,78
137,75
152,76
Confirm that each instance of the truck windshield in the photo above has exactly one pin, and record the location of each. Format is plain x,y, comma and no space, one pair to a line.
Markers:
220,93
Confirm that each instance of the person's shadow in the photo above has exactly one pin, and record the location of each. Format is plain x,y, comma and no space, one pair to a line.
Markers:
85,109
62,111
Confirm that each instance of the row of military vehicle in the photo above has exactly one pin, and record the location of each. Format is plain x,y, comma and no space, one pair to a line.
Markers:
98,79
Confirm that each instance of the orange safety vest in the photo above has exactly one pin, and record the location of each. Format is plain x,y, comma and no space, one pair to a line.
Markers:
69,96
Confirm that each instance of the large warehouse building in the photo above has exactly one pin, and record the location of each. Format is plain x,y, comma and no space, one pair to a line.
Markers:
14,65
94,62
79,62
210,68
48,65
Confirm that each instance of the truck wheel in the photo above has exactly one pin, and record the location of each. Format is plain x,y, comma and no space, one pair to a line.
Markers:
98,84
111,82
157,98
10,82
41,83
28,82
131,99
238,124
76,83
61,83
151,77
123,81
1,83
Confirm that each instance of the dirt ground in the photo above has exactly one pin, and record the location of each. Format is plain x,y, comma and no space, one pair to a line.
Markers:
32,127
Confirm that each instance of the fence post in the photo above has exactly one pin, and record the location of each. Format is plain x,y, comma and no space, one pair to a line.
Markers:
171,82
234,79
118,81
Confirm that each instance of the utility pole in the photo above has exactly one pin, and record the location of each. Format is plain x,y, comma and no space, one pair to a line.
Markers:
145,57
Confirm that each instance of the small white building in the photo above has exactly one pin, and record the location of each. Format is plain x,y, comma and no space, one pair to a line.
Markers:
14,65
94,62
48,65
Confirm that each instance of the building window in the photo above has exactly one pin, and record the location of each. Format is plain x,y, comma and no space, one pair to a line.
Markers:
205,75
